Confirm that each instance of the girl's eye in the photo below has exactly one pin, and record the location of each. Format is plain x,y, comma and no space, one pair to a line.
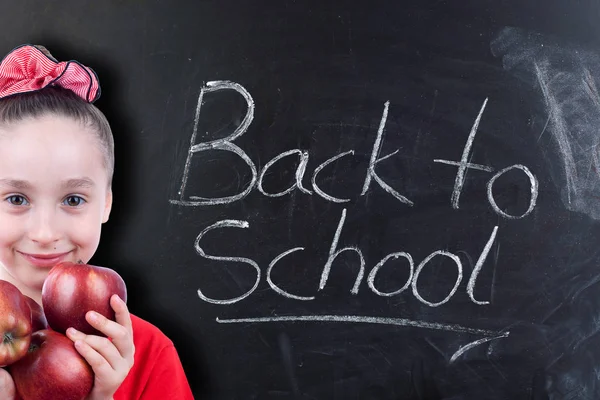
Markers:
17,200
74,201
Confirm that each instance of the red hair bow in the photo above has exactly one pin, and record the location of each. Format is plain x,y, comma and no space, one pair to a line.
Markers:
30,68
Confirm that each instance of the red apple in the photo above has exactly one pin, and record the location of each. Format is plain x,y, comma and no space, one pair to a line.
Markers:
38,319
73,289
52,369
15,324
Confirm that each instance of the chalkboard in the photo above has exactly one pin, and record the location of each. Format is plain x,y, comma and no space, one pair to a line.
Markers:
352,200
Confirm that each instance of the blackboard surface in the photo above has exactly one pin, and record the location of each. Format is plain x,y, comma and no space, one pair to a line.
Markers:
352,200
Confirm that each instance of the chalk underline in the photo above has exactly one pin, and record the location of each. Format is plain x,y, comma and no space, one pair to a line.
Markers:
366,320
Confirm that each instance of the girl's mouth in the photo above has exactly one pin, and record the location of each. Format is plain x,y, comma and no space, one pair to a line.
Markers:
45,260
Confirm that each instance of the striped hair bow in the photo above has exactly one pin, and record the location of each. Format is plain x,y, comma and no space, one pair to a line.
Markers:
29,68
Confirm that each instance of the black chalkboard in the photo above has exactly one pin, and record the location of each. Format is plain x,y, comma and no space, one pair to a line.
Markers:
352,200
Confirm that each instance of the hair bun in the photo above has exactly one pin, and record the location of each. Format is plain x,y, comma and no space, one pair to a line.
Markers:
29,68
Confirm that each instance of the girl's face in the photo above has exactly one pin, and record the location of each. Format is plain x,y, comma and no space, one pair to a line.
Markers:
54,198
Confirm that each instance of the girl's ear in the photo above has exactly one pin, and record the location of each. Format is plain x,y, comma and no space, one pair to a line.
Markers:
107,205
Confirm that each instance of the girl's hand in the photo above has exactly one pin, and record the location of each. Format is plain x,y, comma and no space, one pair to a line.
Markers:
7,386
110,357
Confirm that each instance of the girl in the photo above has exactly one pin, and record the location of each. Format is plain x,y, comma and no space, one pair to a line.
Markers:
56,168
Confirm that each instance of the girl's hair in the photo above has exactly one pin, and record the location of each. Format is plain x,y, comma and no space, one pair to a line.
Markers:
55,100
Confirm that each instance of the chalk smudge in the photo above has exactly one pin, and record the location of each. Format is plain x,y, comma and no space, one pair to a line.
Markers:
565,77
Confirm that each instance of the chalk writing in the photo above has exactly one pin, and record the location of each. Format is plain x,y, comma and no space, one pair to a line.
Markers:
478,266
454,258
375,270
532,199
319,168
226,144
375,159
463,164
200,251
299,173
277,288
333,253
279,261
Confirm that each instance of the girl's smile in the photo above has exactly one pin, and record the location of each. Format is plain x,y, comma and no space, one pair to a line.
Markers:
44,260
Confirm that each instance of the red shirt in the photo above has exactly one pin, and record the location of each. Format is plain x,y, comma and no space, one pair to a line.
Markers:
157,373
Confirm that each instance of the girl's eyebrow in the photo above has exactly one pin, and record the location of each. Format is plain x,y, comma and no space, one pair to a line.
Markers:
15,184
78,183
74,183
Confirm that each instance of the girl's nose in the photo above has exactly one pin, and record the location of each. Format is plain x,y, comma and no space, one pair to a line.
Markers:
43,227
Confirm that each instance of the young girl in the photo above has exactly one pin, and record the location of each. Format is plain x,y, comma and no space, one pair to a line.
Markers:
56,168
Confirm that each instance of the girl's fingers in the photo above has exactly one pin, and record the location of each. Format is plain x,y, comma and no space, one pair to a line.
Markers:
101,346
120,335
98,363
7,386
123,339
121,311
113,352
